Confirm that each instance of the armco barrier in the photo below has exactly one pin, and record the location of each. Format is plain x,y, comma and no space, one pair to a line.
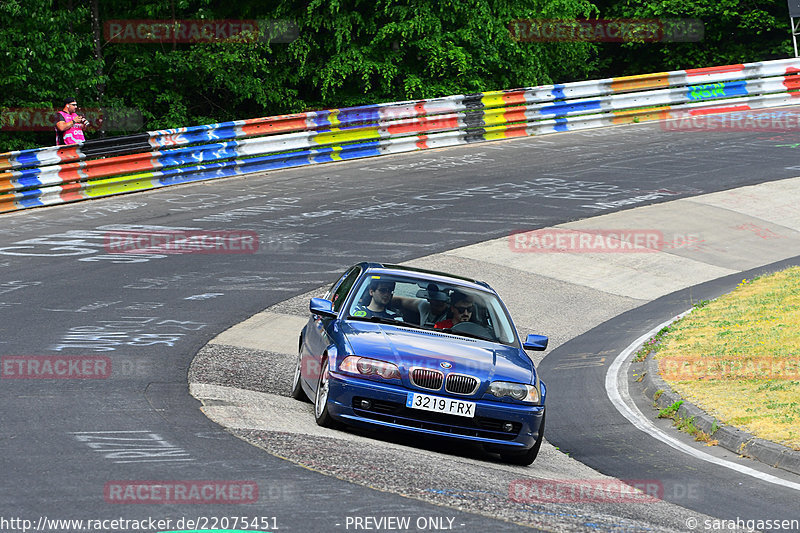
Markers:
46,176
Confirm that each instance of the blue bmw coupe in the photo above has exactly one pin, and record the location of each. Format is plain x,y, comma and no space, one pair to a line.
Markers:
422,351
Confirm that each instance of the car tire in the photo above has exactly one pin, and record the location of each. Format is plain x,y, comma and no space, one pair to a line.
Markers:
527,457
297,387
321,413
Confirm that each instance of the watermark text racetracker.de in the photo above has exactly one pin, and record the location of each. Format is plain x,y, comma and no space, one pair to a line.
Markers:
199,31
80,366
45,118
182,242
154,524
135,243
586,491
616,241
684,367
606,30
179,492
54,367
737,121
555,240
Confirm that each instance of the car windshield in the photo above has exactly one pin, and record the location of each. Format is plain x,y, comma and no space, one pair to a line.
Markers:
430,304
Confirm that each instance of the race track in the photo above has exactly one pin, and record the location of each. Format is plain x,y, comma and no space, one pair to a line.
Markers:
63,292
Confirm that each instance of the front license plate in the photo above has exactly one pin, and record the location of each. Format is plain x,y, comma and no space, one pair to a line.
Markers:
440,405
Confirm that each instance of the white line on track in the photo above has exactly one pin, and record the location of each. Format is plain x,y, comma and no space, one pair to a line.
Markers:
617,391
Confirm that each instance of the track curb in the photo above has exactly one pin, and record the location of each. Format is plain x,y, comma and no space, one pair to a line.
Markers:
654,388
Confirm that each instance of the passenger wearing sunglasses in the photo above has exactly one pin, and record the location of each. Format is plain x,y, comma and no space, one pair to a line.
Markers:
462,308
380,293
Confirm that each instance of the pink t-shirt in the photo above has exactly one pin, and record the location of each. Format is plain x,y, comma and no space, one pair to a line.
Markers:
72,135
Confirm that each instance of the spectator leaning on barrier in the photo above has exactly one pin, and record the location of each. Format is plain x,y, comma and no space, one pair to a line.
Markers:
69,124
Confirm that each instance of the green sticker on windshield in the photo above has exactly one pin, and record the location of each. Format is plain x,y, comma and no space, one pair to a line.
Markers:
360,313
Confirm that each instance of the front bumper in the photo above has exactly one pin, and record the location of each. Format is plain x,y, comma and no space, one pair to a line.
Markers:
387,409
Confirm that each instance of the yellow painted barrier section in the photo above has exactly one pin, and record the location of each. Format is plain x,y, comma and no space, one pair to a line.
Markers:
504,115
496,133
333,117
135,182
344,136
493,99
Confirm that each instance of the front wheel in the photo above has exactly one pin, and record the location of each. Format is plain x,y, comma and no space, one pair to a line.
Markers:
321,413
527,457
297,387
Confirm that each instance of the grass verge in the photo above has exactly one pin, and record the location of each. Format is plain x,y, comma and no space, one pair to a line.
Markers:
738,357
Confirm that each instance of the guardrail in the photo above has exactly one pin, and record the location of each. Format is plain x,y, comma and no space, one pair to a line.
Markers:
116,165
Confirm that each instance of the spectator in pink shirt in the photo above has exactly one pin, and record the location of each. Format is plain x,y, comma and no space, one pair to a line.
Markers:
69,124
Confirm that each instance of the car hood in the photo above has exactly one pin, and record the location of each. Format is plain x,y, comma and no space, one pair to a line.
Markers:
407,347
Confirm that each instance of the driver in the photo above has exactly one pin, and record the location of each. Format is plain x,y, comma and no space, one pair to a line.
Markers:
380,293
461,309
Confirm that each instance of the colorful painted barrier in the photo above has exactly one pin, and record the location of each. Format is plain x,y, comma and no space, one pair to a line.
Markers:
102,167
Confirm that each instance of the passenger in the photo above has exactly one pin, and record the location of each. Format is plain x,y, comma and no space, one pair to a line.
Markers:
461,309
431,309
380,296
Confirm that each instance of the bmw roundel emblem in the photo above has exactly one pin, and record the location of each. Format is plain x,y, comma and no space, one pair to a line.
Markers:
445,364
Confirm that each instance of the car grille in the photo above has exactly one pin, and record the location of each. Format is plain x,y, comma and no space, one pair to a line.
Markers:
426,378
395,413
461,384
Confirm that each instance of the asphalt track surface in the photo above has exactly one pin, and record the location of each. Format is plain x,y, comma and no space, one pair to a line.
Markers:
608,443
63,293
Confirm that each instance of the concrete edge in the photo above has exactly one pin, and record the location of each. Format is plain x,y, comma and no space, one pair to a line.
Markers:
740,442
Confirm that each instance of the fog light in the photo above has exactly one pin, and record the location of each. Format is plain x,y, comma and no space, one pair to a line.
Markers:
366,404
508,428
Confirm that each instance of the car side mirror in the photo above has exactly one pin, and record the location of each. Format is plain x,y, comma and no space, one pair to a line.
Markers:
322,307
535,343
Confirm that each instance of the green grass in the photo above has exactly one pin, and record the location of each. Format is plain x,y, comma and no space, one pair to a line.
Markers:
738,357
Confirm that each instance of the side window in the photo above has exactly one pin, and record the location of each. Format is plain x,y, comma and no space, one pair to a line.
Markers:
329,294
340,293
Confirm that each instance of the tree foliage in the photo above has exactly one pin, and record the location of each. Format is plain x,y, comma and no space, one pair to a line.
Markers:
46,57
735,31
347,52
362,51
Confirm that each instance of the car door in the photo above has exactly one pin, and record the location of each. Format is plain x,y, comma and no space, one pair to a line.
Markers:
316,338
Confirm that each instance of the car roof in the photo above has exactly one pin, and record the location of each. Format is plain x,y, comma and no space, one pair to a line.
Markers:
388,269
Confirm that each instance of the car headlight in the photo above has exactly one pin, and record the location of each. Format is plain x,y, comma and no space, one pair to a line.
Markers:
369,367
517,391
